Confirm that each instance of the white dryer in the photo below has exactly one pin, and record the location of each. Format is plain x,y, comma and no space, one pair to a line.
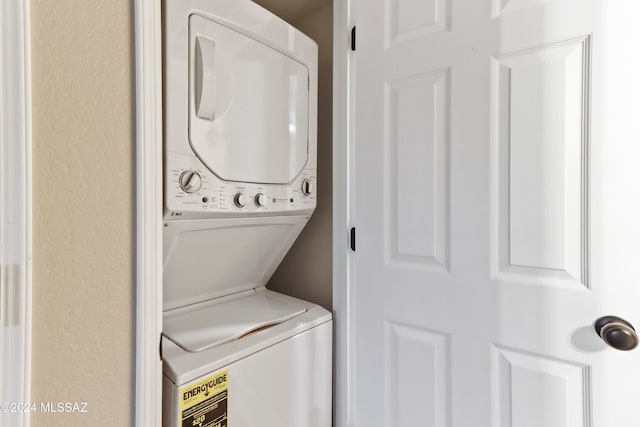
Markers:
240,99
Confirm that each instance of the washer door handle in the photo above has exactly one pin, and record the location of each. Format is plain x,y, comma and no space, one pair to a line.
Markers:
617,332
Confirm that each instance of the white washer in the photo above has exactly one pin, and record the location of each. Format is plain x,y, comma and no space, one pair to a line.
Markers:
280,376
240,105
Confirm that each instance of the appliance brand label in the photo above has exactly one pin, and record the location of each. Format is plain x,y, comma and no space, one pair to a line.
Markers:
204,404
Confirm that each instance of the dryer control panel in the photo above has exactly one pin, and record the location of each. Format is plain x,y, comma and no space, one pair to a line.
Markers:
192,191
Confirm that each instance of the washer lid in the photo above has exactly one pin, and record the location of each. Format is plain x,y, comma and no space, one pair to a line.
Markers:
217,323
248,105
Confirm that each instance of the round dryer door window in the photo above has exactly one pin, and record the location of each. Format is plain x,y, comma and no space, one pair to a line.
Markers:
249,106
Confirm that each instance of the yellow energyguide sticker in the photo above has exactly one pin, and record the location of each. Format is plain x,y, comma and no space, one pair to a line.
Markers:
204,404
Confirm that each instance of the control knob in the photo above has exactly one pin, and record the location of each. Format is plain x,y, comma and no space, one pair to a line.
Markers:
307,187
260,199
190,181
240,200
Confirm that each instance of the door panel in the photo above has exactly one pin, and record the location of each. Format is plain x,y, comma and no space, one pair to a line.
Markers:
417,227
496,202
541,137
530,390
416,394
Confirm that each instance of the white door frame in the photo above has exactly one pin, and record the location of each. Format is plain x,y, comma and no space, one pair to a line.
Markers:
148,382
15,209
343,91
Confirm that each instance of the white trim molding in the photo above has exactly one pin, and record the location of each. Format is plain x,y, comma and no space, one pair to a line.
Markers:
149,213
15,209
343,90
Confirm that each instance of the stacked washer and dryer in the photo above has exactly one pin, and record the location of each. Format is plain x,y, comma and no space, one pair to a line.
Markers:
240,101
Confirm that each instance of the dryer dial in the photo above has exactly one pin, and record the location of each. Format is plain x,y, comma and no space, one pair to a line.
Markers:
190,181
260,199
307,187
240,200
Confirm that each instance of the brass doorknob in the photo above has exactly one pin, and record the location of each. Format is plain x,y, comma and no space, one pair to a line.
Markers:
617,332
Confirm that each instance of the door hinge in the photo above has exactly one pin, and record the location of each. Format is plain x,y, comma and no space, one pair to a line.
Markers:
353,239
353,38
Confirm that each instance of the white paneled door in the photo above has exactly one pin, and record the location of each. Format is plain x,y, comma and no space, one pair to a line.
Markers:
497,206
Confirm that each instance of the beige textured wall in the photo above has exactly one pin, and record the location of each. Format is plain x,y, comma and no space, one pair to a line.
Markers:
83,209
306,272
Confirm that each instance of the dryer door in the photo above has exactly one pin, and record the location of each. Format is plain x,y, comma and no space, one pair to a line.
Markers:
248,105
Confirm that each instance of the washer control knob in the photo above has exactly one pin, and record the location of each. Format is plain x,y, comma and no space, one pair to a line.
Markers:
307,187
240,200
261,199
190,181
